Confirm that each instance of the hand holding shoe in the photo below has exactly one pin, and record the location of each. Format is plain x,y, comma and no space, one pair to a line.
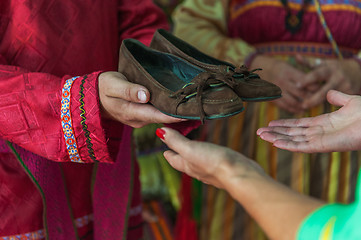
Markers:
177,88
125,102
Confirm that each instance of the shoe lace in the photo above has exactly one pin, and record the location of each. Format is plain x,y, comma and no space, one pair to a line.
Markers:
225,76
239,73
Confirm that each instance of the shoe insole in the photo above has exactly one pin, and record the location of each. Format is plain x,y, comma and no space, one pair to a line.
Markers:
167,78
172,72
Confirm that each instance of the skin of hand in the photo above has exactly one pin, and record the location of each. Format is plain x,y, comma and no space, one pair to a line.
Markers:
335,131
278,209
213,162
125,102
342,75
287,77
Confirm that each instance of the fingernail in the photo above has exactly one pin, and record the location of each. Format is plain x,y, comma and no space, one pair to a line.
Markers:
142,96
160,133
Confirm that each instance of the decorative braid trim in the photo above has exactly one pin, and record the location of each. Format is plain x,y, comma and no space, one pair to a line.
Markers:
82,221
66,122
82,115
40,234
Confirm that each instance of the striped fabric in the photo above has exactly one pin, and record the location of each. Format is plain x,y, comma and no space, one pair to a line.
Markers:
218,28
160,228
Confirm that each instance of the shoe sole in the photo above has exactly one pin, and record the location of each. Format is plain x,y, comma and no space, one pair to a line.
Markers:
259,99
206,117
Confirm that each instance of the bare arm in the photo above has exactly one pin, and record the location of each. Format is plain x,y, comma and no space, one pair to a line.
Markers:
277,209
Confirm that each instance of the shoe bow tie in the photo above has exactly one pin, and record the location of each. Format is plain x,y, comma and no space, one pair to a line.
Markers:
225,76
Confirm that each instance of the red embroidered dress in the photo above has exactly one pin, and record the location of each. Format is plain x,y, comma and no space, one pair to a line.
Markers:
51,53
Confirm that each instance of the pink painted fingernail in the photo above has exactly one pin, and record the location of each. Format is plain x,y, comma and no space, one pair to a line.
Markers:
160,133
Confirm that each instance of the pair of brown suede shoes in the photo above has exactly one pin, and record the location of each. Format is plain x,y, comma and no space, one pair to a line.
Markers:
186,83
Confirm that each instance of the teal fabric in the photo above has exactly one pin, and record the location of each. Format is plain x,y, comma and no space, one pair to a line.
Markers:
334,221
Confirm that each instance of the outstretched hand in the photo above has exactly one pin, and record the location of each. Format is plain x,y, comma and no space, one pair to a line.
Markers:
124,101
207,162
336,131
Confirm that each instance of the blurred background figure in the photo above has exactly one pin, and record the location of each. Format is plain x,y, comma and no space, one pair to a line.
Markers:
302,47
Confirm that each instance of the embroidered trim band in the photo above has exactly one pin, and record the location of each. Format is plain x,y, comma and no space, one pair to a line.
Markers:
316,50
82,115
82,221
66,122
40,234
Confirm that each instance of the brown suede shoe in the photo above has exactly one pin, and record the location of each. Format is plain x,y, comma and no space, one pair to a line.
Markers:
247,84
177,88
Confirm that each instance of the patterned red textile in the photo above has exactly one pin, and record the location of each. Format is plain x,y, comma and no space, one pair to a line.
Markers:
43,43
250,20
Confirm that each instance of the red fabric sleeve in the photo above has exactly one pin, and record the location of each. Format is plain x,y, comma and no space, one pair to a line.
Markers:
139,19
30,114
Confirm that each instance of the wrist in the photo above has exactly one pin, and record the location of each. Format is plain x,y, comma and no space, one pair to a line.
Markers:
240,175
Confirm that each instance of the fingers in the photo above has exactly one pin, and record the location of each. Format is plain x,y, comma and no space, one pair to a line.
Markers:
289,103
116,85
317,97
292,87
125,102
138,114
301,60
292,146
295,143
175,141
180,148
335,81
289,131
302,122
316,76
175,160
338,98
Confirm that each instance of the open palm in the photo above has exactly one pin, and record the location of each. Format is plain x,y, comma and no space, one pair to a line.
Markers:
336,131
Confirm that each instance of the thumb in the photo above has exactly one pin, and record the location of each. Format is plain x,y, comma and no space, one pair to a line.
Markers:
174,140
338,98
116,85
178,144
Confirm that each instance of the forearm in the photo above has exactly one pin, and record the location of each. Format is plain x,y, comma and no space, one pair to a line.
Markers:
276,208
56,118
